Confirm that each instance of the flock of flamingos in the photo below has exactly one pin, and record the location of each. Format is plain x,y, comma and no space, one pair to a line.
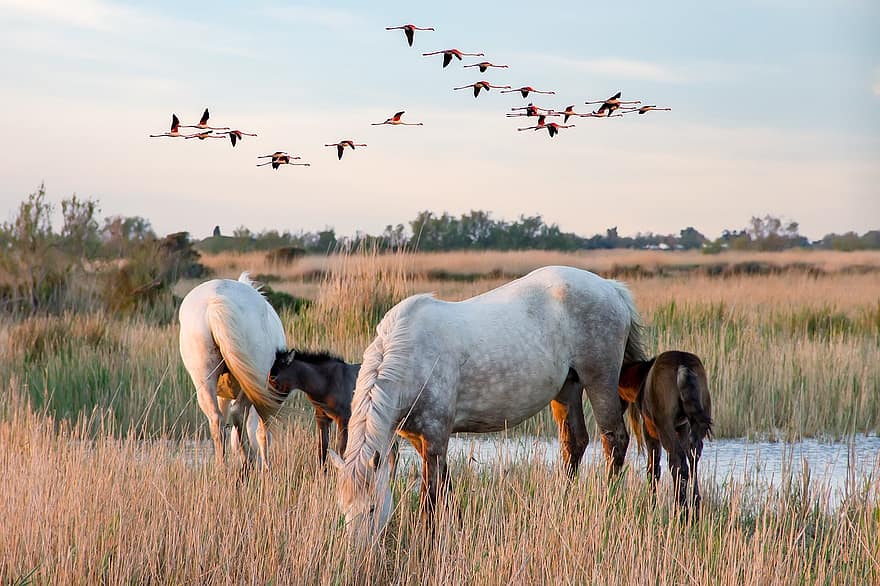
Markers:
607,108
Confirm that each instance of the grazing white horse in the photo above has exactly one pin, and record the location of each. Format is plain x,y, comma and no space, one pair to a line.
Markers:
229,338
481,365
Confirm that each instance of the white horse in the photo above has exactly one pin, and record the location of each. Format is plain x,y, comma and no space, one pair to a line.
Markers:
229,339
482,365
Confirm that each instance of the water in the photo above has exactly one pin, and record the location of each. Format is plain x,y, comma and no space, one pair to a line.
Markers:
834,469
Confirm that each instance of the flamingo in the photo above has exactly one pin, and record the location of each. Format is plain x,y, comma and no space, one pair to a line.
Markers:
448,54
532,110
480,85
203,123
569,111
645,109
396,121
612,103
340,146
538,126
600,113
526,90
280,158
484,65
175,128
409,30
552,127
204,135
235,135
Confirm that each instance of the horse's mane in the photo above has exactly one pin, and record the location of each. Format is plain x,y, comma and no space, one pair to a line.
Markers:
245,277
387,357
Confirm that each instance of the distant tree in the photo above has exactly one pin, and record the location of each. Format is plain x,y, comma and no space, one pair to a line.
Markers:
690,238
79,232
216,232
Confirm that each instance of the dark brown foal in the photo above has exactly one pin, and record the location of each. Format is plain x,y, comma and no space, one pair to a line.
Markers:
328,382
670,395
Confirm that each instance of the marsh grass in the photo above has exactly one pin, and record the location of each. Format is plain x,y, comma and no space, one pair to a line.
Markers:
122,510
787,355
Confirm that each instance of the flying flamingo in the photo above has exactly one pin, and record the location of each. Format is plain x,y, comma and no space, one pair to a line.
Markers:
600,113
409,30
644,109
526,90
612,103
235,135
280,158
569,111
396,121
538,126
480,85
340,146
448,54
204,135
484,65
175,128
203,123
532,110
552,127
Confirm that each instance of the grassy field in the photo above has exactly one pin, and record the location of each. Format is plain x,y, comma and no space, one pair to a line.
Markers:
98,410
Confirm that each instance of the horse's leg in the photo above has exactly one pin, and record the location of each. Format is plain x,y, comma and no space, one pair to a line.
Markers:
206,393
653,446
693,456
322,424
435,474
568,411
678,460
608,410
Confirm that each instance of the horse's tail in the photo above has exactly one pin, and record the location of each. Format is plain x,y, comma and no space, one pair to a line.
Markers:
228,328
635,348
690,386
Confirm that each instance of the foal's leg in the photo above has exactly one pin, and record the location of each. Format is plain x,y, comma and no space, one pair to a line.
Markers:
240,409
678,461
693,456
322,424
653,446
568,411
342,437
264,438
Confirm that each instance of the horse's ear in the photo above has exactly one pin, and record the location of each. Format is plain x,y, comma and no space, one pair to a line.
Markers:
288,359
375,461
336,460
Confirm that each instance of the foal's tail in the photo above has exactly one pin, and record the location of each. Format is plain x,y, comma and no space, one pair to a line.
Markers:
230,328
691,385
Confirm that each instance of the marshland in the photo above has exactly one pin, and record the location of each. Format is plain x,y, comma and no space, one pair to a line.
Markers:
109,474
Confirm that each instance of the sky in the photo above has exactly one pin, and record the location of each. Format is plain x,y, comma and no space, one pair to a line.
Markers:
775,110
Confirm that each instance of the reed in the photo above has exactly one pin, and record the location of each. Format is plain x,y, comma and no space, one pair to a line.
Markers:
120,510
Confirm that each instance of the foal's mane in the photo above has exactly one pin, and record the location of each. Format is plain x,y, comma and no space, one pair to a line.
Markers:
318,357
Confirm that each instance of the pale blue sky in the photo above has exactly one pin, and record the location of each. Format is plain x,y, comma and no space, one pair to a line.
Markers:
776,109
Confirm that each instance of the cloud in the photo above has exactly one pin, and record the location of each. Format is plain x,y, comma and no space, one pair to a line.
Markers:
88,14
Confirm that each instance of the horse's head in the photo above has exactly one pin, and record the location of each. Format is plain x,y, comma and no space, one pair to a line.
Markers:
364,495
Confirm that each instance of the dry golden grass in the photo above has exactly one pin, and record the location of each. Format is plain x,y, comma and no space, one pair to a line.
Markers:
521,262
83,511
88,499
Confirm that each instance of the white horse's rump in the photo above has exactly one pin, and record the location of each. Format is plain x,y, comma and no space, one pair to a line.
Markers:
228,328
486,364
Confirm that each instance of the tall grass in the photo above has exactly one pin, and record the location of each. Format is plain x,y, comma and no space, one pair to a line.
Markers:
787,355
78,510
